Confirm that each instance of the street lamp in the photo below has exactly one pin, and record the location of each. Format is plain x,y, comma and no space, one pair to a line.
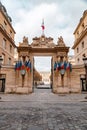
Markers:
1,59
85,64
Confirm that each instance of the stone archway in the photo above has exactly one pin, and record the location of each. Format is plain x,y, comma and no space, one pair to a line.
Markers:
42,46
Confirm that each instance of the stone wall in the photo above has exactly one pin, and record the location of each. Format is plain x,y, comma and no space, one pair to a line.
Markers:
75,77
71,85
9,78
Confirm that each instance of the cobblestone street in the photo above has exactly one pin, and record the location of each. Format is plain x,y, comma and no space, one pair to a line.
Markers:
43,110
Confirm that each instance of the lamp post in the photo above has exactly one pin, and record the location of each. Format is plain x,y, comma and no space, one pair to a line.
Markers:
85,64
1,59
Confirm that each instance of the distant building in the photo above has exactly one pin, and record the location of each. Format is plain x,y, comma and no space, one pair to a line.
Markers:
80,43
7,33
71,59
45,77
37,77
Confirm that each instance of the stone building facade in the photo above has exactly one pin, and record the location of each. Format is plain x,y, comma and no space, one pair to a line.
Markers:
45,77
7,46
80,43
7,33
80,49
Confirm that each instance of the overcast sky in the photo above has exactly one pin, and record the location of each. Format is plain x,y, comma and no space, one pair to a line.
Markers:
60,18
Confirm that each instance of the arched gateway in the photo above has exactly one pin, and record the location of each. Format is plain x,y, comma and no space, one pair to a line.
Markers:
42,46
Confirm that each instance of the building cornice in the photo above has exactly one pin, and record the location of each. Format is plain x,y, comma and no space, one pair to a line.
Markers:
43,50
4,32
43,46
78,66
80,22
83,33
7,20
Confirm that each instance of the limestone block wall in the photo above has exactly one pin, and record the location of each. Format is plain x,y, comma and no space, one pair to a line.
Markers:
71,84
23,84
77,70
9,78
13,80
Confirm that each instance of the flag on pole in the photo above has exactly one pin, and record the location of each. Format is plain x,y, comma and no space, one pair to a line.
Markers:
58,66
23,66
43,27
67,66
28,65
18,65
55,65
62,65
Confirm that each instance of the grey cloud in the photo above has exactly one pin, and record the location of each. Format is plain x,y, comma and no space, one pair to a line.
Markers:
43,63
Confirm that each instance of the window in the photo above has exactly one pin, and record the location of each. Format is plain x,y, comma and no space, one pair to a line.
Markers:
3,57
77,32
9,61
84,55
5,25
82,45
4,43
78,60
82,25
77,50
10,32
10,48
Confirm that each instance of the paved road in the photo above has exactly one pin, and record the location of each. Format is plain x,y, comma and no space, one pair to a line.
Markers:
43,110
45,86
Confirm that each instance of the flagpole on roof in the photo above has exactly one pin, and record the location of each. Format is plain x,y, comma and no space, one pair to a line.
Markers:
43,27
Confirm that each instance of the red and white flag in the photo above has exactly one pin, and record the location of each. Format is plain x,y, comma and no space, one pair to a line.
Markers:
43,27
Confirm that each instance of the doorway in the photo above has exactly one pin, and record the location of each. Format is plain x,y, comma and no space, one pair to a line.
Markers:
42,72
2,84
83,82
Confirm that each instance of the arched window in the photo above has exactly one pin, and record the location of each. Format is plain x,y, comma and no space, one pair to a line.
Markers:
82,25
78,60
82,44
77,50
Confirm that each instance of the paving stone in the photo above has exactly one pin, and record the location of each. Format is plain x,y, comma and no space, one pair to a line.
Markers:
43,110
35,128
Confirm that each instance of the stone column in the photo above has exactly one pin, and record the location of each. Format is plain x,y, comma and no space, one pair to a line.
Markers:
17,78
23,80
30,76
62,80
55,75
68,79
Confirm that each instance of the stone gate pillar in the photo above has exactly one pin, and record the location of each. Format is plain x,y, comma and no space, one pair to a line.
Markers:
24,69
61,75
